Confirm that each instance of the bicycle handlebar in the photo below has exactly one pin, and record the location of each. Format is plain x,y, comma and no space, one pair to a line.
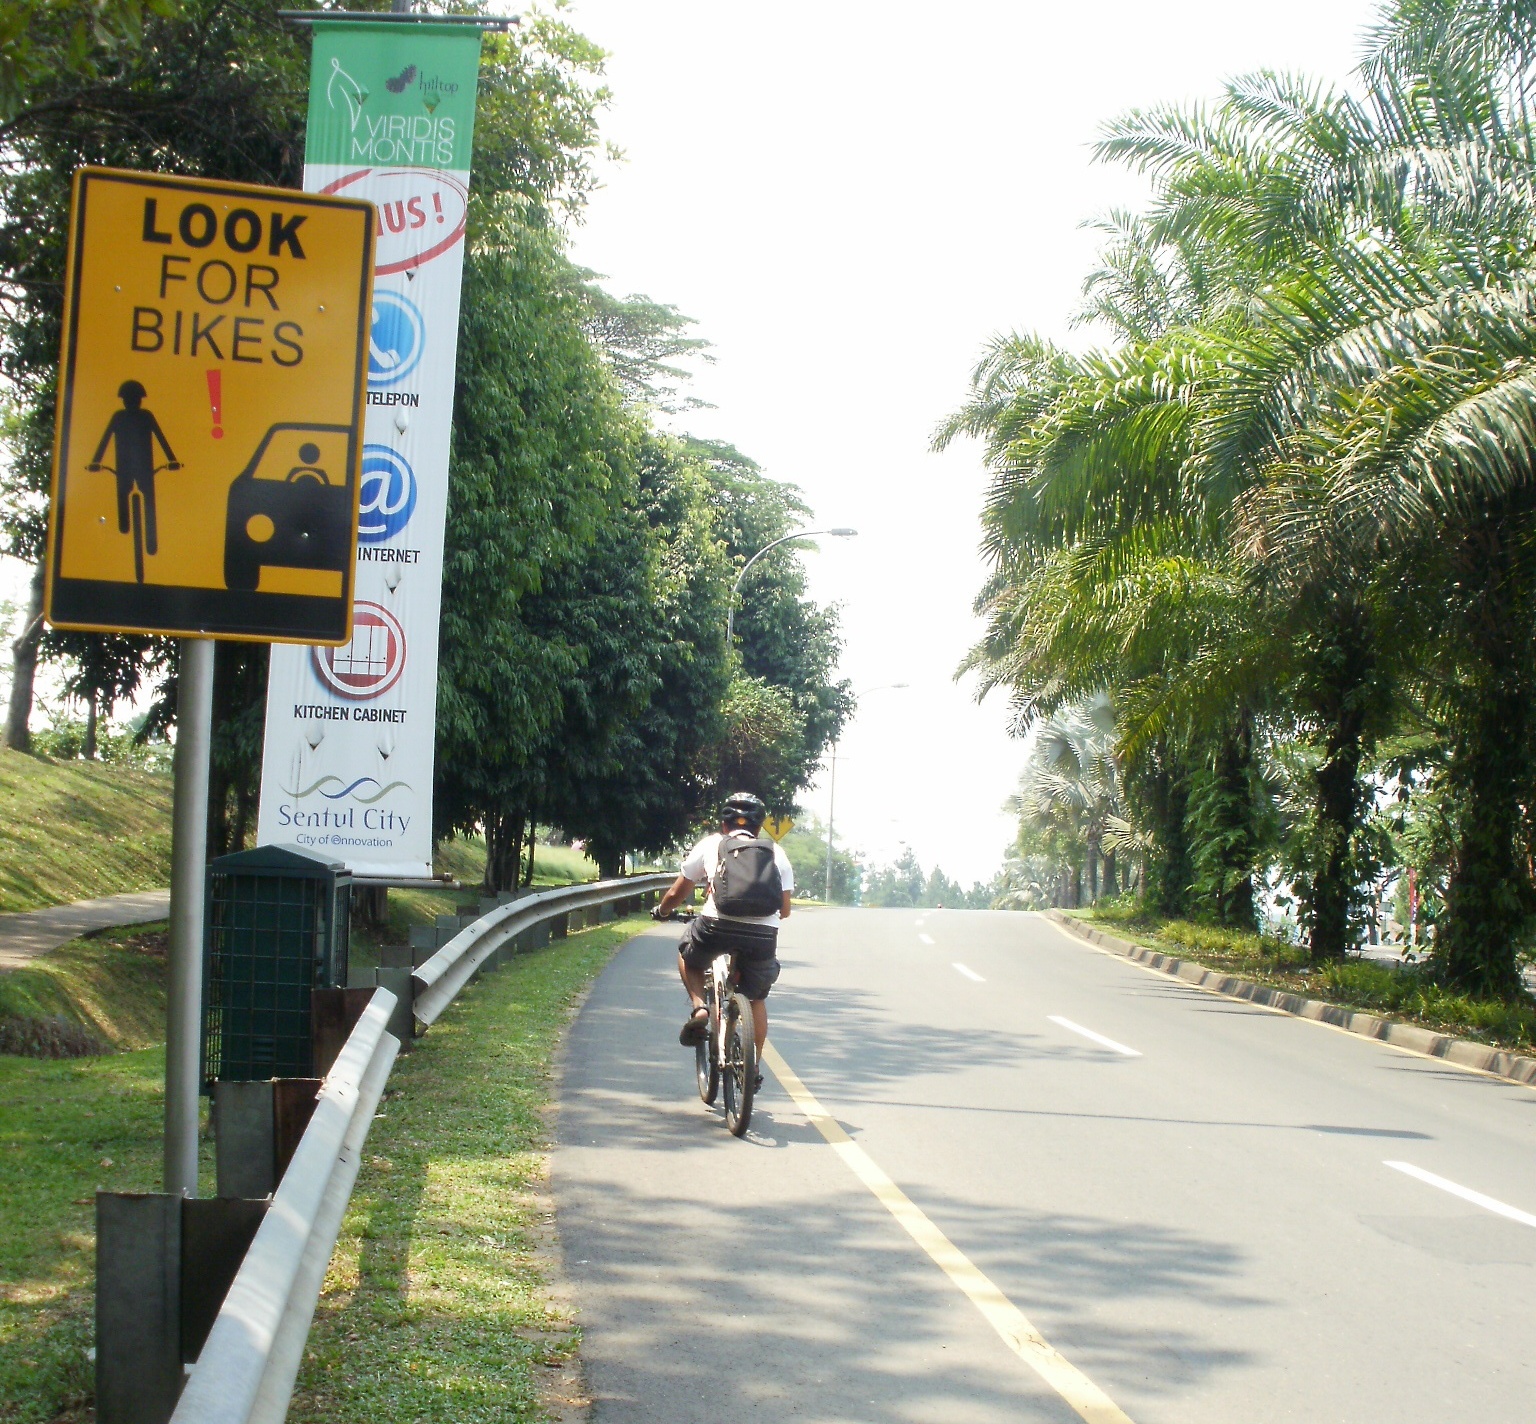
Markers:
112,469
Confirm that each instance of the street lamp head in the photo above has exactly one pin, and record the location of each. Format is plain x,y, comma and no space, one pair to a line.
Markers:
843,533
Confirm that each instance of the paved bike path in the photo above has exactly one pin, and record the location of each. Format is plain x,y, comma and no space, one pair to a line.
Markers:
27,934
755,1279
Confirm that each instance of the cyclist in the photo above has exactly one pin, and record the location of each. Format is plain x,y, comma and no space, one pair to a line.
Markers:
132,432
753,939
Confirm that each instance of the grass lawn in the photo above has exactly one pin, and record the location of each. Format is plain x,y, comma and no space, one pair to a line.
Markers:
78,829
435,1305
66,1128
1389,990
464,858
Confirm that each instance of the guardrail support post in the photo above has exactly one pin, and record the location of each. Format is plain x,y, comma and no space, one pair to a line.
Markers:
397,979
559,926
138,1307
423,944
245,1139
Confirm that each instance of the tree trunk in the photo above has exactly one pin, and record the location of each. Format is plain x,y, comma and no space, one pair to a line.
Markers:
1488,903
1340,804
503,852
1165,882
1093,870
533,841
18,735
1111,874
1222,833
88,750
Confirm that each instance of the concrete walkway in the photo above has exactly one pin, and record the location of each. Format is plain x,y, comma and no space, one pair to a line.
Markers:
26,935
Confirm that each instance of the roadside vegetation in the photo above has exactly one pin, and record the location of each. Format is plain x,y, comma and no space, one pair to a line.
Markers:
67,1129
1408,991
1262,583
437,1303
438,1282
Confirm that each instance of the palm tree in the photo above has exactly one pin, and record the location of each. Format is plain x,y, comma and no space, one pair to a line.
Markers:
1070,791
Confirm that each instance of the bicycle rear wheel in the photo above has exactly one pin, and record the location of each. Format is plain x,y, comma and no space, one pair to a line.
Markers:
740,1068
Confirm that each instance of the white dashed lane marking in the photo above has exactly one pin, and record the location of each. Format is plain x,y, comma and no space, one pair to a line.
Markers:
1097,1038
1492,1204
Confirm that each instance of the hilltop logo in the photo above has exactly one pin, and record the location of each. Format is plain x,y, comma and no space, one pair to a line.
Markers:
395,138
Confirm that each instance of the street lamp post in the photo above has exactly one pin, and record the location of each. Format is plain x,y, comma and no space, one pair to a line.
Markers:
730,613
832,791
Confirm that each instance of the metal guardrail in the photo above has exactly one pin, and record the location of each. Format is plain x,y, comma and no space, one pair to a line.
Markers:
450,969
246,1370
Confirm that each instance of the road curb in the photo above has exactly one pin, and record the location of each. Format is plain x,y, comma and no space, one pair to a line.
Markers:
1498,1062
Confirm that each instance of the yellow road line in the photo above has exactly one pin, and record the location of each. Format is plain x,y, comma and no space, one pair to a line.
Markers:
1163,974
1084,1396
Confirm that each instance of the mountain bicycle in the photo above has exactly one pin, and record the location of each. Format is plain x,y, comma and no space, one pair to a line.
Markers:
727,1058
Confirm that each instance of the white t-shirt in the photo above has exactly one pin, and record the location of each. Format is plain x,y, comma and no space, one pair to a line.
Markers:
699,866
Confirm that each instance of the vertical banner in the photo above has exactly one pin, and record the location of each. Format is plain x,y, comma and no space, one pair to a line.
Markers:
347,768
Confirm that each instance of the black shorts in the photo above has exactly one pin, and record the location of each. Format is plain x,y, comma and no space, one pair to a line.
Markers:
755,948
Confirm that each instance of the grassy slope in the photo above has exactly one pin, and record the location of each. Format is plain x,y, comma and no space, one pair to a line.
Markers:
1397,992
111,984
76,830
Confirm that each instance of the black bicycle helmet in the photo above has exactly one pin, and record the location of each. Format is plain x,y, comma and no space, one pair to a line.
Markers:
744,809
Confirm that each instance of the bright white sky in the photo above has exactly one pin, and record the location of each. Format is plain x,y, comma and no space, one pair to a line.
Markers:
850,198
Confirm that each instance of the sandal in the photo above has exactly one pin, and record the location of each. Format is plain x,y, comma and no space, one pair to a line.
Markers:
696,1030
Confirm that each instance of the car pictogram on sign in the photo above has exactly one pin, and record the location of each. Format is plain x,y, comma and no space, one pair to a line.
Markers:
371,663
291,506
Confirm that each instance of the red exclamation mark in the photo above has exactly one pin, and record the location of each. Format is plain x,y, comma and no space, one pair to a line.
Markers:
437,203
216,402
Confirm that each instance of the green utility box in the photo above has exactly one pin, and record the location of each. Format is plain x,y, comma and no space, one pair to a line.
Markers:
276,923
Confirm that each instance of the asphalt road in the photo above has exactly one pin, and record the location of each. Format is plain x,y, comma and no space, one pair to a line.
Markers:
1208,1231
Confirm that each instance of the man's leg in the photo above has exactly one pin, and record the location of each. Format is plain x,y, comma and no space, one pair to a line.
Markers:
124,487
760,1024
693,981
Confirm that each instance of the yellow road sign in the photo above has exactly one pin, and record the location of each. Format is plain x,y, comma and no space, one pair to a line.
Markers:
778,826
205,477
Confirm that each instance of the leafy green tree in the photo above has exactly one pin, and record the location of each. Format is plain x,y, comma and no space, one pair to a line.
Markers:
785,640
895,887
203,88
538,433
806,847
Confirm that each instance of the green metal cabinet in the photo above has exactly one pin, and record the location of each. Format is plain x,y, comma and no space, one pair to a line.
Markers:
276,924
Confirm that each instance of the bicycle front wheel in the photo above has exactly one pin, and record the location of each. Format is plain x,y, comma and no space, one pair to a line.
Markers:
705,1065
740,1069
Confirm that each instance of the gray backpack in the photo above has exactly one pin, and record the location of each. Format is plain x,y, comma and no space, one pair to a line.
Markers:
747,880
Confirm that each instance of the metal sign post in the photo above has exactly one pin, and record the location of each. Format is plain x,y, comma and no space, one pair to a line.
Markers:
189,842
